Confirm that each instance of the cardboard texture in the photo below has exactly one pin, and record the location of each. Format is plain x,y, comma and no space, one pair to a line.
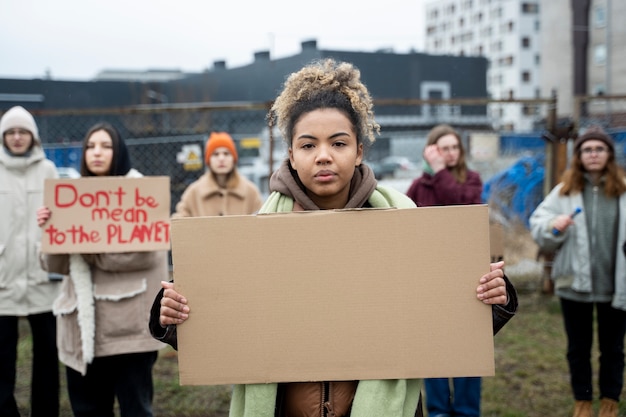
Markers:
333,295
107,214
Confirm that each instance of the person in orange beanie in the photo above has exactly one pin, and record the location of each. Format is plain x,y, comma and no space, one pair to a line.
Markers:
221,190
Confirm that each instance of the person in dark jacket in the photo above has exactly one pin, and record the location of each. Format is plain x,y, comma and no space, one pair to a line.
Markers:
325,115
446,180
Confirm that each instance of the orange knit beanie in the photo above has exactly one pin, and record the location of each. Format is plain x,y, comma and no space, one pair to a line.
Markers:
218,140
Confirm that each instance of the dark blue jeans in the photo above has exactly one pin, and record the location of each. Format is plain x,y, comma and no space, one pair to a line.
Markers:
462,400
578,319
44,386
127,377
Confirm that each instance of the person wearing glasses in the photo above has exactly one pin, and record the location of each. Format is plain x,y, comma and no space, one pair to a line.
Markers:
446,180
589,268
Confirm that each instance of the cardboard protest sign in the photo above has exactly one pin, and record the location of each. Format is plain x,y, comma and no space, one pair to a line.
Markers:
107,214
333,295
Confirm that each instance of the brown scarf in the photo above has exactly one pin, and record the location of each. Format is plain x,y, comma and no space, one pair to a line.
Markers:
285,180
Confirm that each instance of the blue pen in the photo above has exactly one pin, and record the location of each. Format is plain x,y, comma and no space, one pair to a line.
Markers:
577,210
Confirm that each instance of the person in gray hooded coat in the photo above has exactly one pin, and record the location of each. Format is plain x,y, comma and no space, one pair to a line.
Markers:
25,290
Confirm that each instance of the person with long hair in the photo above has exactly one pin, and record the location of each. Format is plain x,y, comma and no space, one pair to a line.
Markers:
446,180
25,290
103,306
589,268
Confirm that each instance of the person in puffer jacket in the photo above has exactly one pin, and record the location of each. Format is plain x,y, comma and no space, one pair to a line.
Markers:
325,115
25,290
102,329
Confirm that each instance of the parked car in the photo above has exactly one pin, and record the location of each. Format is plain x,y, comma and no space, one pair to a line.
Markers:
68,172
392,166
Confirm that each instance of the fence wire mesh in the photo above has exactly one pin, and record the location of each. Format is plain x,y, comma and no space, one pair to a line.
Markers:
169,139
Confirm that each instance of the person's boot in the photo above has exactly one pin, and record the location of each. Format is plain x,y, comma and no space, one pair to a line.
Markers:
608,408
583,409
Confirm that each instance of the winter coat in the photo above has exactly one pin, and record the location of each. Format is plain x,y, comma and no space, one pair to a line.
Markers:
442,189
104,304
24,286
204,197
571,268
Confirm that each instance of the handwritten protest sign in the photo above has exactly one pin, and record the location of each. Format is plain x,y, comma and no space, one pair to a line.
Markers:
107,214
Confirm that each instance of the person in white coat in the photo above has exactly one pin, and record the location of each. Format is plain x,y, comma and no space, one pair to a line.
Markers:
25,290
589,269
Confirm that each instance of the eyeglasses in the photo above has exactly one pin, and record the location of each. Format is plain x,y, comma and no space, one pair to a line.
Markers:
598,150
451,148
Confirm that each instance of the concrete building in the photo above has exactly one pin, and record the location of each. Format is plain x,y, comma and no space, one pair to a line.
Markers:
583,48
507,33
389,76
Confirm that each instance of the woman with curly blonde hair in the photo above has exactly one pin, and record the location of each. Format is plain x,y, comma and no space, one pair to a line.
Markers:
325,116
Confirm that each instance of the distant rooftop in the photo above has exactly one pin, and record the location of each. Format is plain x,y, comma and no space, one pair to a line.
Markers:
152,75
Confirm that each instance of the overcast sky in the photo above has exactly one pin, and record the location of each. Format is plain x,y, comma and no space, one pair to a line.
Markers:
76,39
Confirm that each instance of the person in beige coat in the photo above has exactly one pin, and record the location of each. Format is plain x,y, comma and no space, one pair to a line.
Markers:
25,290
104,305
221,190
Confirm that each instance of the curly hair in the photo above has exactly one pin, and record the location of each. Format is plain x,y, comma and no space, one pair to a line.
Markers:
325,84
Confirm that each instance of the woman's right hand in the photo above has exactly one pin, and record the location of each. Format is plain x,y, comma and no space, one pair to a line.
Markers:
562,222
174,308
43,214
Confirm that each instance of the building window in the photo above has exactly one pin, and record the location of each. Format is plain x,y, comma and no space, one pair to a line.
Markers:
530,110
526,76
506,61
599,54
525,42
537,59
599,16
530,8
599,89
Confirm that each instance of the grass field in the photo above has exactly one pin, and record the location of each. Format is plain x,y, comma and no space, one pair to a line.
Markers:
531,379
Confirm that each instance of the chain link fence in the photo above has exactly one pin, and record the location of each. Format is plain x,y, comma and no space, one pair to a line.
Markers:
168,139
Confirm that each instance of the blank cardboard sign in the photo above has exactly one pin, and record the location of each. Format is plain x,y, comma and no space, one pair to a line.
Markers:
333,295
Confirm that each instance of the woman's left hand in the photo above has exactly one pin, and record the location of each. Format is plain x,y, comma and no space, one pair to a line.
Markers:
492,288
